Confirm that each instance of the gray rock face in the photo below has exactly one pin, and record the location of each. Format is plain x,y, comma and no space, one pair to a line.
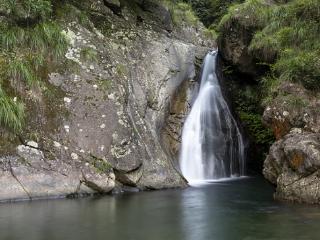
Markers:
31,176
234,43
104,122
293,165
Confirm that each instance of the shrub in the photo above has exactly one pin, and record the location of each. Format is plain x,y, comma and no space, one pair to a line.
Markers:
292,33
259,133
250,13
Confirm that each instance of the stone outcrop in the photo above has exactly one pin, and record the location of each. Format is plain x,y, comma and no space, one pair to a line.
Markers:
293,166
293,161
292,112
103,120
234,41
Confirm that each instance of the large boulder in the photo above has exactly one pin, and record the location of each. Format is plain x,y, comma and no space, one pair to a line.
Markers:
293,161
293,166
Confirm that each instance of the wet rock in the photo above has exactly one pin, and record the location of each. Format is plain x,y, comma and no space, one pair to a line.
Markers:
98,182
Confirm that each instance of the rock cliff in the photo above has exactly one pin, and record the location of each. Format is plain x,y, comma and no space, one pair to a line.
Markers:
111,113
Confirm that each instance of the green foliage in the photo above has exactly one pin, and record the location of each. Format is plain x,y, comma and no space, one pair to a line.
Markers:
285,38
88,54
246,100
210,33
269,85
251,13
258,132
21,69
181,13
29,40
210,12
11,112
26,8
299,66
291,33
102,165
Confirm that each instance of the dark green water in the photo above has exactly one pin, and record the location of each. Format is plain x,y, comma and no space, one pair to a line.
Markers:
230,210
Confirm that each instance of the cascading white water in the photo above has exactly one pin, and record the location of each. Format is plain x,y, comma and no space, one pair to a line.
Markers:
212,145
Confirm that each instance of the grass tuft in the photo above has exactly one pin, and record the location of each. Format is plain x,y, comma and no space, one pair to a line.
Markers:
11,112
30,39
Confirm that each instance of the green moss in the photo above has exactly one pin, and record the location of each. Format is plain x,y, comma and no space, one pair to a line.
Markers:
102,166
89,54
250,13
121,70
105,84
68,12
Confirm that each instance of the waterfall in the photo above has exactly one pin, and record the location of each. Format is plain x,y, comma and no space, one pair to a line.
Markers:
212,145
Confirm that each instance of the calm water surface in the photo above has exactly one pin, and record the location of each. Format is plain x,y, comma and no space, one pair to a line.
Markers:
234,210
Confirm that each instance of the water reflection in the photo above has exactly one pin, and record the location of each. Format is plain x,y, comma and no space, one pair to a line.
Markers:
221,211
194,218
